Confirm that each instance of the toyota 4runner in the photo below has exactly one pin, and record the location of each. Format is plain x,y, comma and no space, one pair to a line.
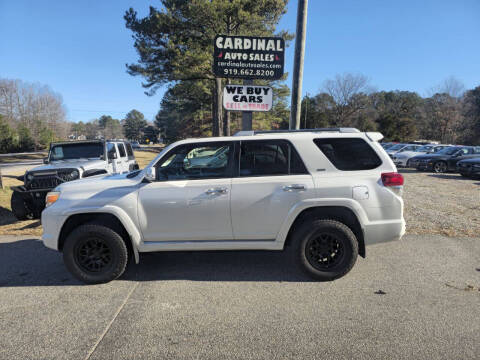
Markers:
67,161
321,194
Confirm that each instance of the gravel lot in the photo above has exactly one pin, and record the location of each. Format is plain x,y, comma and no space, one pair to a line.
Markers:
446,204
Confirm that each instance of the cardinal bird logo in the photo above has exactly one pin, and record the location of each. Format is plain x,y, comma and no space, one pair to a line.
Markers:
277,58
220,55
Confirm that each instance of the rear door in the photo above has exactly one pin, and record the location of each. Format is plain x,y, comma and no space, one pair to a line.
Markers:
271,180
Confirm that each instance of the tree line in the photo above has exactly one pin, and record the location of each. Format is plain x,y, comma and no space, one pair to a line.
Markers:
31,116
449,115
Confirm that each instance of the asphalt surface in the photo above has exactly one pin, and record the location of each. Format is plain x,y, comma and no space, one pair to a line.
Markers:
417,298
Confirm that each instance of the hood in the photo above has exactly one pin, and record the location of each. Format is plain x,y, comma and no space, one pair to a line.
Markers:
475,160
82,164
98,183
409,154
431,156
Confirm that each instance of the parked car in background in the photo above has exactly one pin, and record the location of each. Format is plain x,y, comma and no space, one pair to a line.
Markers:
68,161
387,145
469,167
399,148
403,159
135,144
445,160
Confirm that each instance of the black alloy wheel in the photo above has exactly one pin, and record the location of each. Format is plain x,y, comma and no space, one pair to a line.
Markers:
93,255
323,248
324,251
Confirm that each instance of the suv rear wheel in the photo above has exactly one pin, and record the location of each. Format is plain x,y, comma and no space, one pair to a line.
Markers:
95,254
325,249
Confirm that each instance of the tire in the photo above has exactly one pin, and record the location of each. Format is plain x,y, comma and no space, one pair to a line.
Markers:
93,268
440,167
19,208
308,246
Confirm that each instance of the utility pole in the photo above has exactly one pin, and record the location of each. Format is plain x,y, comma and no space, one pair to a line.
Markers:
247,115
300,36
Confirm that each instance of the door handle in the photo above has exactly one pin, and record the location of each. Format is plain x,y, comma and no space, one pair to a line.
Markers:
216,191
293,187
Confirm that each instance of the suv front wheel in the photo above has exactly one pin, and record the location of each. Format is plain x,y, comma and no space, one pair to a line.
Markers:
95,254
325,249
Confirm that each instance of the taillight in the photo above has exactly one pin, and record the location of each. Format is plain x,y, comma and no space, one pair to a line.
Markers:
392,179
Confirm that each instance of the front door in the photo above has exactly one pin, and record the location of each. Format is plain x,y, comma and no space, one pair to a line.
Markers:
272,179
191,198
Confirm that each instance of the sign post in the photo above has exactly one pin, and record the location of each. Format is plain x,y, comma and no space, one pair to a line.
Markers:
247,116
248,58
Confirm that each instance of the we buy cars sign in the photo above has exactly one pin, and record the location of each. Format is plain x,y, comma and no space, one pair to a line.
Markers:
247,98
248,57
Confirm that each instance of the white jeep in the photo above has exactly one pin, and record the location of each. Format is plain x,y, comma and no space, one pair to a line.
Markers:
68,161
321,194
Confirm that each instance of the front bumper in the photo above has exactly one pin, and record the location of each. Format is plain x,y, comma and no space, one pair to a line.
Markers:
424,165
52,223
468,170
400,162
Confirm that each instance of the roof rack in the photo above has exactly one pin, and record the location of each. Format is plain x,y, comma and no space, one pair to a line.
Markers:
257,132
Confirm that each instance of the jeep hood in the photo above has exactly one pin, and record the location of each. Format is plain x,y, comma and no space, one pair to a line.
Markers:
82,164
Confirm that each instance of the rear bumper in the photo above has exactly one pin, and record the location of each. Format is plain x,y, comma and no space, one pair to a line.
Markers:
384,231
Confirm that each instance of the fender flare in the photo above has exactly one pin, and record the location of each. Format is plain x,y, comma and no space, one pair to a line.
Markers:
350,204
121,215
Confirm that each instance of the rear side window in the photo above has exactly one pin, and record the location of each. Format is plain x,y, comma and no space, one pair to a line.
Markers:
121,150
129,149
349,154
263,158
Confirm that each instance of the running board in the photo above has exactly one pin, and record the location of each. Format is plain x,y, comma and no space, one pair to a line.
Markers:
199,245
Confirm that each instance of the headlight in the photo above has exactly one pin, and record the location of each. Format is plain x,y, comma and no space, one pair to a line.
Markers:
74,174
51,198
30,176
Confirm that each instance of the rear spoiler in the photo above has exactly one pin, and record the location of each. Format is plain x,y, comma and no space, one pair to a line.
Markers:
374,136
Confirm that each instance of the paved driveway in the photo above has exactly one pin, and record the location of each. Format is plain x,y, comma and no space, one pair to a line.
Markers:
413,299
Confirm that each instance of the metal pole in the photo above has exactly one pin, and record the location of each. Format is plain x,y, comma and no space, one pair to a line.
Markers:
247,115
300,35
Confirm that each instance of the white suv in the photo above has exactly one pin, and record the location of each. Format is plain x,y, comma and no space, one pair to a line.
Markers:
321,194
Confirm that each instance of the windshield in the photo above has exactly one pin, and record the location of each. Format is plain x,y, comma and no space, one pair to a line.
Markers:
448,151
425,148
76,151
397,147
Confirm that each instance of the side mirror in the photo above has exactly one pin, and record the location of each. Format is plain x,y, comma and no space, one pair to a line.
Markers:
112,155
45,160
150,174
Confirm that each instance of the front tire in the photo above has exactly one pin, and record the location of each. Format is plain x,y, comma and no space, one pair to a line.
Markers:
19,207
325,249
95,254
440,167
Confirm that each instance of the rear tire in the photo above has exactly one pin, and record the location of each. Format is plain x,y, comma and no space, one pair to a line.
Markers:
19,207
95,254
325,249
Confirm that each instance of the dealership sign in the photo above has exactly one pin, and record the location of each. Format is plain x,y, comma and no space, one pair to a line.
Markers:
247,98
248,57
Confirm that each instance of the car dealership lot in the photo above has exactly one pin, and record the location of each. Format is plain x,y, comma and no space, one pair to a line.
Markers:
416,298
